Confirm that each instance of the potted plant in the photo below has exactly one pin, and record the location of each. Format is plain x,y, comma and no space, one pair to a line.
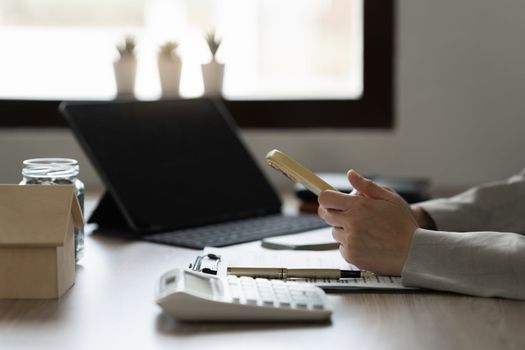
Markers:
169,64
125,67
213,72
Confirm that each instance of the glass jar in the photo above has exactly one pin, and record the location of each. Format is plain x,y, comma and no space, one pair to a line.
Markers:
57,171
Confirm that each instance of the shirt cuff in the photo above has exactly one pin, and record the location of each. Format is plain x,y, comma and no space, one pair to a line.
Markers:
448,215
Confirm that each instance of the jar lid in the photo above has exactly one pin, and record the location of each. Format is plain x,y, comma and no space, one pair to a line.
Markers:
50,167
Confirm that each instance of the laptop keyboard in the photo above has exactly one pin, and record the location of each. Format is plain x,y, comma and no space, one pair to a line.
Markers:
233,232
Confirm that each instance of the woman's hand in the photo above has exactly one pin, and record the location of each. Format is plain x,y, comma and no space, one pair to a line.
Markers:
374,228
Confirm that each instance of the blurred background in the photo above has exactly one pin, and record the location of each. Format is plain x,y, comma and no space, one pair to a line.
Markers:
456,95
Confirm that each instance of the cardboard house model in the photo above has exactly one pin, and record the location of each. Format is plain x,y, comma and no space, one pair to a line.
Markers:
37,244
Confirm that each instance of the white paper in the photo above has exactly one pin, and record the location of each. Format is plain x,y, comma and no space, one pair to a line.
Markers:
251,257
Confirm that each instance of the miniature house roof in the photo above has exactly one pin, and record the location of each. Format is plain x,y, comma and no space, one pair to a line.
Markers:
37,215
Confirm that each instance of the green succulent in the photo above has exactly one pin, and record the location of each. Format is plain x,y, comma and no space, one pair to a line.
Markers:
213,42
127,47
168,48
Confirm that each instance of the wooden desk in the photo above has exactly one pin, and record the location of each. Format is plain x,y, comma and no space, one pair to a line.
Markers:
111,306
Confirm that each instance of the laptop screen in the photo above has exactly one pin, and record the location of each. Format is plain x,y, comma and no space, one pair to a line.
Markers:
172,164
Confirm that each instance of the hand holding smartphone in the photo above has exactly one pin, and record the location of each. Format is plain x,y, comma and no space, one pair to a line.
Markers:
296,172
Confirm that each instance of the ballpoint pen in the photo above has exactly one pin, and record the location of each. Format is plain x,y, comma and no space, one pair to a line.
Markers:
284,273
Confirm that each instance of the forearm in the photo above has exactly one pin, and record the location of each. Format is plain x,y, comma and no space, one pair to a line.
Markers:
497,206
475,263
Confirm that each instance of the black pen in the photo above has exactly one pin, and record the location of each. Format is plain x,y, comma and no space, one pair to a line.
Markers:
284,273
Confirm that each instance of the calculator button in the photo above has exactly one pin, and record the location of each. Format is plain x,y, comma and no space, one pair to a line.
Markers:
318,306
233,284
296,293
250,294
301,301
265,290
267,298
283,300
276,283
251,301
316,301
236,297
235,293
314,297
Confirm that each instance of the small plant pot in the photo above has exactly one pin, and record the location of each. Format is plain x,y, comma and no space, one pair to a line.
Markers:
125,72
212,76
169,74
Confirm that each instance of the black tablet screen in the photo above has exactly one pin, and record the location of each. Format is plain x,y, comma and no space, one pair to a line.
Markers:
172,164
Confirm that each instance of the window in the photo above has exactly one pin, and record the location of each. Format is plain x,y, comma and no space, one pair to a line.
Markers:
288,62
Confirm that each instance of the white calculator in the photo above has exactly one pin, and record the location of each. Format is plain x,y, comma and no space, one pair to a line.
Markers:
196,296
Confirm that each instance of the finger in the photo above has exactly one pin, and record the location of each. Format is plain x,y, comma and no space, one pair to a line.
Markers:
337,200
338,234
326,215
331,217
389,189
344,253
367,187
355,193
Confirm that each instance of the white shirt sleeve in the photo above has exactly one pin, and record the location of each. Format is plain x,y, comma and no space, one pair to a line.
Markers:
496,206
487,261
489,264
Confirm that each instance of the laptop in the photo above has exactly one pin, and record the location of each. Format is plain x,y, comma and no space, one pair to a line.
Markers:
177,172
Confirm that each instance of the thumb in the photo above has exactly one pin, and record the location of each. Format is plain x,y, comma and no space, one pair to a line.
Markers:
367,187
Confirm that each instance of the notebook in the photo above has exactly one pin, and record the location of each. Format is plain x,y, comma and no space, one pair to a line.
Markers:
177,172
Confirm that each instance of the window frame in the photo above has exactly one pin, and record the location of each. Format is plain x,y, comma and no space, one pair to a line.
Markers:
375,108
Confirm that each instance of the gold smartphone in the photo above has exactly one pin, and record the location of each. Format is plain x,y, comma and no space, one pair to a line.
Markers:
296,172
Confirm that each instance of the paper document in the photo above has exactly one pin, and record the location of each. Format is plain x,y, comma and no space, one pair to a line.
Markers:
238,257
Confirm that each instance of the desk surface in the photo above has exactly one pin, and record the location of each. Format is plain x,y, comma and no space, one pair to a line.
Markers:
111,305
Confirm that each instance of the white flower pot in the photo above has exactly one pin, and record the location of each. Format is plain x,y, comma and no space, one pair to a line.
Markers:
125,72
212,76
169,74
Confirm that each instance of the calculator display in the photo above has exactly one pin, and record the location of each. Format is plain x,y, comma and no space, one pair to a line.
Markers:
198,284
